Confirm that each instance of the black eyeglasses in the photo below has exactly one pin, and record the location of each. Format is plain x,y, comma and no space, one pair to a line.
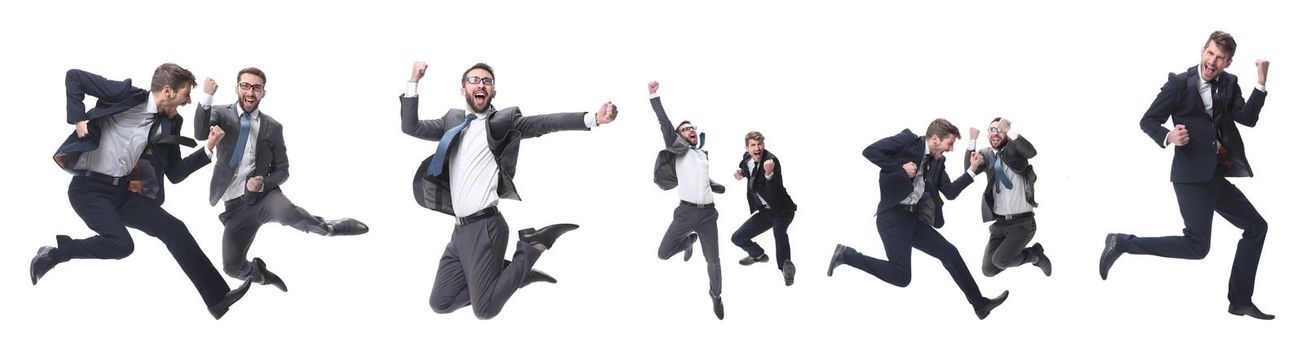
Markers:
994,130
247,86
473,80
690,127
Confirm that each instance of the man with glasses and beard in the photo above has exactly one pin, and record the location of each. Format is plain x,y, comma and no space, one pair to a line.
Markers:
1008,199
251,166
471,169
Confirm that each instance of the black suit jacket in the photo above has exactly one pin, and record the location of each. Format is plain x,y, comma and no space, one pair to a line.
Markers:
162,156
772,190
1015,155
507,128
1180,98
270,160
890,154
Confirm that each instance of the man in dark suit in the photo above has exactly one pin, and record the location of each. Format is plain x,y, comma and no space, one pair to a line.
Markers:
472,168
1204,103
248,175
1008,199
769,203
683,164
911,177
118,155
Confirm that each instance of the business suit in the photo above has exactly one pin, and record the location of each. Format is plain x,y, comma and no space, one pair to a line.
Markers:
1010,232
1199,174
245,214
471,270
902,227
776,213
110,204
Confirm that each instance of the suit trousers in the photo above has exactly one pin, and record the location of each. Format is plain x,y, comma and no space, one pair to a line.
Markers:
243,220
1007,242
109,210
762,220
901,230
1198,202
688,220
472,270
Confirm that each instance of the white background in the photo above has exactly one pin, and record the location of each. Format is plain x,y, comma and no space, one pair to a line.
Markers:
821,80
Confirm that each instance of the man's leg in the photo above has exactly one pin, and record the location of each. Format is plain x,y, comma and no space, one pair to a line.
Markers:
929,241
677,238
450,290
1239,211
756,224
897,230
143,214
490,283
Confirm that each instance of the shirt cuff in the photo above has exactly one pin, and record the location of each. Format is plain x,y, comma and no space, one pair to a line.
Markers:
1260,87
1012,135
208,152
971,173
206,101
652,96
770,176
591,120
971,145
411,90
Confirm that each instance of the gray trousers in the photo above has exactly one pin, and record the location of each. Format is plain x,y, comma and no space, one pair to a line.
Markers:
1007,244
241,226
689,219
473,272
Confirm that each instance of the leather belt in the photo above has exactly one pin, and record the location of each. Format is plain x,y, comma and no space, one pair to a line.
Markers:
112,180
477,216
684,203
910,208
1014,216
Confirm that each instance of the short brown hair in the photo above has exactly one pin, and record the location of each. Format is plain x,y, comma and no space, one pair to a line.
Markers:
677,127
475,67
754,135
941,128
170,74
1224,41
252,70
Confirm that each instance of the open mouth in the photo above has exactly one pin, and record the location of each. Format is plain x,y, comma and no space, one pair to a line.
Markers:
480,97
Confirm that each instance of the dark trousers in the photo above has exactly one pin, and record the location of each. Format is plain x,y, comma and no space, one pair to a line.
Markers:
109,210
472,270
242,220
689,219
1197,203
901,230
761,221
1007,242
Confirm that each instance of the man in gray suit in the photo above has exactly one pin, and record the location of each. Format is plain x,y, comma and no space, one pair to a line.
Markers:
250,168
472,168
683,164
1008,199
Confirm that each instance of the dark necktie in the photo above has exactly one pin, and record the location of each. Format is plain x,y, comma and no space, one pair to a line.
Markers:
1001,175
1215,112
436,166
757,175
239,152
702,140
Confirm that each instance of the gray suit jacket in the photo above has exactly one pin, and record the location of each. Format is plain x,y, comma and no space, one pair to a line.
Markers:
227,117
507,128
664,168
1015,155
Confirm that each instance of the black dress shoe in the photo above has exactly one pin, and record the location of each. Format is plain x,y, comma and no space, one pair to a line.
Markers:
839,251
220,309
789,271
688,250
262,275
982,311
546,235
749,260
346,227
718,307
1043,262
1249,310
536,276
1110,253
42,262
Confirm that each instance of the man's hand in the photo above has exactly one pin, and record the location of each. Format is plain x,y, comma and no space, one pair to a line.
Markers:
974,133
1178,136
738,174
976,159
215,134
210,86
1262,67
606,113
255,184
769,165
418,71
1004,125
652,87
82,129
910,169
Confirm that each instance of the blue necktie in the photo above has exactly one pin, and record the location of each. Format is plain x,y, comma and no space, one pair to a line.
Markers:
702,140
436,166
240,141
1001,175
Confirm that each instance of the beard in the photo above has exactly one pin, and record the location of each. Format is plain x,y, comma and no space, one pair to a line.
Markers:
471,102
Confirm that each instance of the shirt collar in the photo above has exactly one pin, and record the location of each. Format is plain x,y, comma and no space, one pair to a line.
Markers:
150,107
